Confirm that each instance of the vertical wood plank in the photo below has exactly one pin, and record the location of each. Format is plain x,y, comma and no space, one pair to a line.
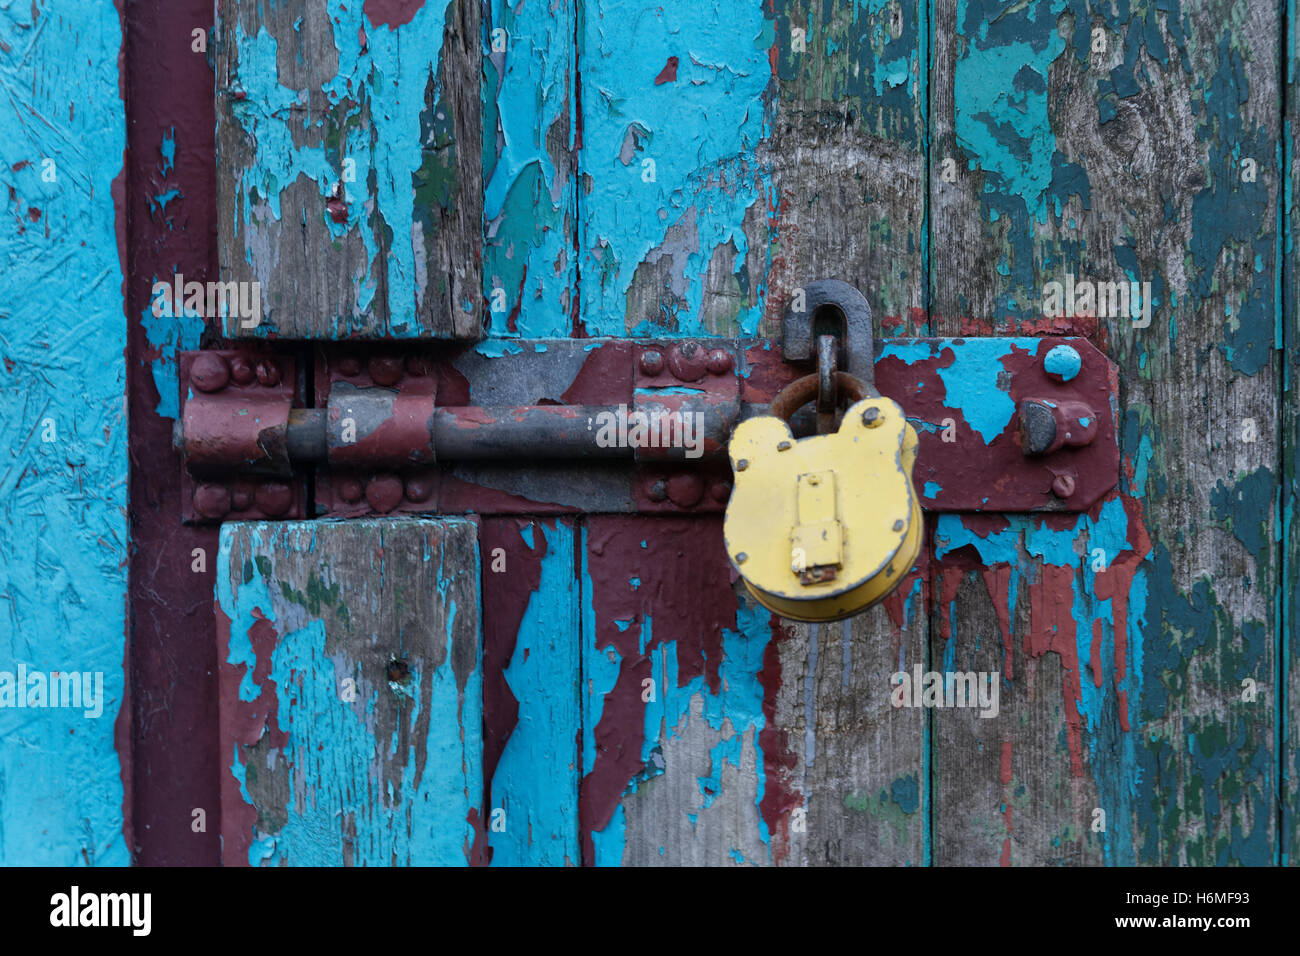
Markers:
531,134
171,228
531,671
349,138
351,692
1113,146
1289,647
729,153
65,763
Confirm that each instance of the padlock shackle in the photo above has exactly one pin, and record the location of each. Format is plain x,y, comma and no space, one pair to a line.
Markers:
803,390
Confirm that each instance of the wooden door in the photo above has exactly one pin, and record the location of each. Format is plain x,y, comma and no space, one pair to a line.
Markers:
679,170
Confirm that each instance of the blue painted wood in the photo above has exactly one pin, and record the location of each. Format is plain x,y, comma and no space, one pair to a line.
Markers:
351,692
63,529
535,784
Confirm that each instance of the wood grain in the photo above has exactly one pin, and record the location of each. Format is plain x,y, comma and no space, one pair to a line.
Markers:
351,169
351,692
1116,163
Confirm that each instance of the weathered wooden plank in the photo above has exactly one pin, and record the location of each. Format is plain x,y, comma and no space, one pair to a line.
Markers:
734,150
858,762
351,692
65,765
171,228
1289,647
731,152
531,708
1113,146
530,204
349,139
714,733
675,763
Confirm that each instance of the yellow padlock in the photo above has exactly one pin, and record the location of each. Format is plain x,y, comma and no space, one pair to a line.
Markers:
823,527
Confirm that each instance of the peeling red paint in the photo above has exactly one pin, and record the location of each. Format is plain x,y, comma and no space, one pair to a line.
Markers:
243,724
691,602
392,13
176,764
780,795
669,73
505,599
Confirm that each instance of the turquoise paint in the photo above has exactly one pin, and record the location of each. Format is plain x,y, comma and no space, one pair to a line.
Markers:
530,202
1005,125
423,823
701,132
170,335
970,381
497,347
932,489
389,153
969,377
63,537
167,148
1063,361
536,778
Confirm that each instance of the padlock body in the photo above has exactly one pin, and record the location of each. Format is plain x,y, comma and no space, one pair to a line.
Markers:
823,527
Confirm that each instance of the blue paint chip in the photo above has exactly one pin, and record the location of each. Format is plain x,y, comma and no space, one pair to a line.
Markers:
932,489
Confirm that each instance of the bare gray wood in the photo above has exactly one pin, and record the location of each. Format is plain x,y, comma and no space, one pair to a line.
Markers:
349,170
1160,190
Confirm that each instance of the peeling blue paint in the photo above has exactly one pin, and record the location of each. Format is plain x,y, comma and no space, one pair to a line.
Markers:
63,488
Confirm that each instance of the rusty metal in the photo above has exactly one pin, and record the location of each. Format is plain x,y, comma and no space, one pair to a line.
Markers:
234,436
1047,425
826,393
835,308
515,430
803,390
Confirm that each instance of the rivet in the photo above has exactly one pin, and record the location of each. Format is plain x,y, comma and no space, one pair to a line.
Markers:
1063,486
209,373
268,373
742,557
742,464
898,525
719,362
659,491
383,492
417,365
241,496
273,498
652,362
212,501
685,490
417,489
385,370
871,416
720,491
1062,363
348,489
783,446
241,370
349,365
